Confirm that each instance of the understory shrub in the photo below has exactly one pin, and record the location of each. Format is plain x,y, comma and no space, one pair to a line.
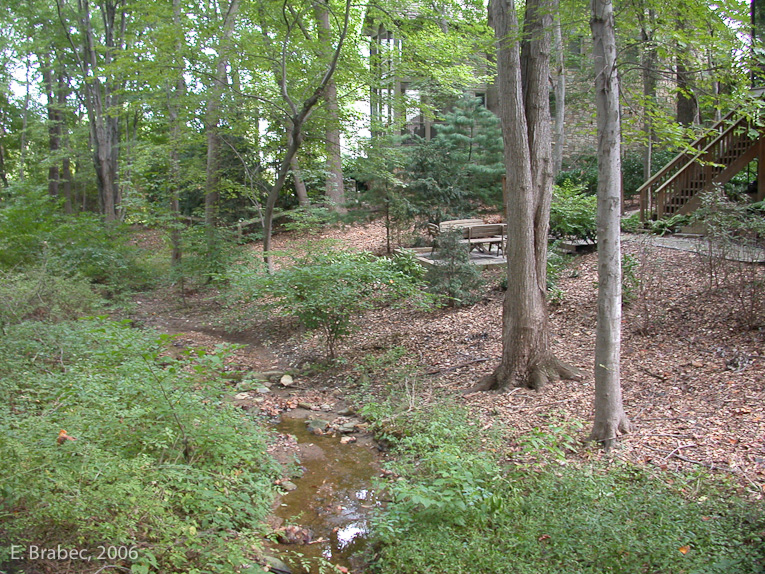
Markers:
161,465
573,213
455,509
36,294
328,291
33,229
734,232
452,276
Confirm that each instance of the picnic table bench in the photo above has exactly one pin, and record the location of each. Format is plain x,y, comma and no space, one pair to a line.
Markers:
476,234
482,237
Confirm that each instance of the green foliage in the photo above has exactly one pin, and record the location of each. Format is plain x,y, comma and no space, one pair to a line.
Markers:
208,255
669,224
454,509
162,463
36,294
557,261
327,291
583,171
573,213
630,278
32,229
461,168
631,224
310,219
452,276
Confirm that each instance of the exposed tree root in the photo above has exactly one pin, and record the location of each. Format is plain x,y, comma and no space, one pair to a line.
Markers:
537,376
608,432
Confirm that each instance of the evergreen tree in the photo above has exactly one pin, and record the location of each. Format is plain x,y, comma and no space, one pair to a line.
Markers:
460,169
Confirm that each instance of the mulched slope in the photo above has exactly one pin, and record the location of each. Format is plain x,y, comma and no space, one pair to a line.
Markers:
693,379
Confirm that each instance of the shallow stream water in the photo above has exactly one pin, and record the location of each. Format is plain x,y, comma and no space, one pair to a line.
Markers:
333,498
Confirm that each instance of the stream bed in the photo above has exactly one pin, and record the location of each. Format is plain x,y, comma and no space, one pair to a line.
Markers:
330,507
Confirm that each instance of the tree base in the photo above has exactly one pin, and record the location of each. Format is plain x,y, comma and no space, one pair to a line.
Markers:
608,432
537,376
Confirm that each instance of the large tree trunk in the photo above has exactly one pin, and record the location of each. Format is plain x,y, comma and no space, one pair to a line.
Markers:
335,185
524,110
610,419
101,95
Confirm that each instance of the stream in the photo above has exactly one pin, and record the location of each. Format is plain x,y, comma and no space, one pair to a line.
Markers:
332,500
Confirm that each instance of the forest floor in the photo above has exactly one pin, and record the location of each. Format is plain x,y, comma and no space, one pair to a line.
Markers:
693,373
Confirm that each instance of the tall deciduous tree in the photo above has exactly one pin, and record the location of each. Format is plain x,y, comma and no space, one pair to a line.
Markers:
219,81
335,186
95,47
610,419
297,109
522,83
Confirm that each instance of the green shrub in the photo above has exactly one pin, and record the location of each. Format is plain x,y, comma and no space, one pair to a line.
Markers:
669,224
631,224
33,229
452,276
311,219
207,256
573,213
36,294
161,463
327,291
630,278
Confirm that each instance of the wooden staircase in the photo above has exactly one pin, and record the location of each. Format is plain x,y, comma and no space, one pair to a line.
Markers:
723,152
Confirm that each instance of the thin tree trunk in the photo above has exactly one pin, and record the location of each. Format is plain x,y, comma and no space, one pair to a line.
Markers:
648,64
175,95
54,128
295,136
560,98
24,125
212,116
610,419
522,84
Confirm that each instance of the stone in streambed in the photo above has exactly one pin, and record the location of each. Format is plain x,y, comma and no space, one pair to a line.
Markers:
317,426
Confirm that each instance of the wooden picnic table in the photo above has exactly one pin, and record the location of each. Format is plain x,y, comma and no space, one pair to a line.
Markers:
476,234
458,224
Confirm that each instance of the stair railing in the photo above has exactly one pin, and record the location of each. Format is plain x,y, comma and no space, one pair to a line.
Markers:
687,175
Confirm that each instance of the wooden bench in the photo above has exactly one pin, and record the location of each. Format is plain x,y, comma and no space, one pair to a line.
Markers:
483,236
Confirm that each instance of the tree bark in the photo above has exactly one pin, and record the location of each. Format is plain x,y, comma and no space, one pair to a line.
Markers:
335,184
296,121
560,98
101,97
212,116
300,189
54,127
175,95
610,419
522,83
650,80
